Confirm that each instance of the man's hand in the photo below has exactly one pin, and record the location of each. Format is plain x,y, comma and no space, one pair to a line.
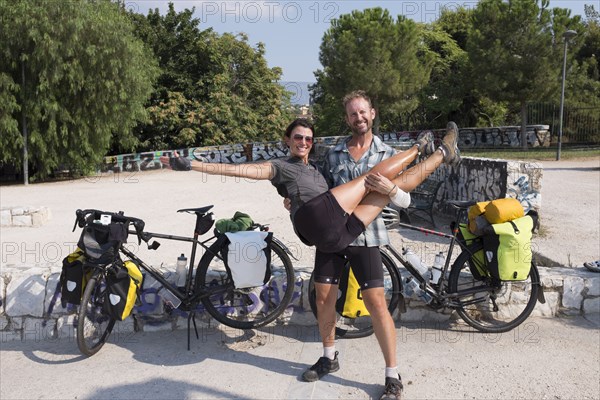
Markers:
287,203
176,163
380,184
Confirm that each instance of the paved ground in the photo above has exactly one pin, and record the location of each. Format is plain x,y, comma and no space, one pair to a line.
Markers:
542,359
555,358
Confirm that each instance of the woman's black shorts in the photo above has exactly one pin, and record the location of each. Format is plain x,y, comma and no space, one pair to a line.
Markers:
323,223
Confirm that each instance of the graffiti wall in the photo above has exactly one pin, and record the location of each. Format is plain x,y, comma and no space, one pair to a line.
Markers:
507,136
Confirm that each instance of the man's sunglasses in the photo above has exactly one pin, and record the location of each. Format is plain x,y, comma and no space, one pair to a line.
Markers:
298,138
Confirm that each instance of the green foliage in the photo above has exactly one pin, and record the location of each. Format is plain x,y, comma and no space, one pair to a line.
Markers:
213,89
86,78
445,91
511,50
515,47
370,50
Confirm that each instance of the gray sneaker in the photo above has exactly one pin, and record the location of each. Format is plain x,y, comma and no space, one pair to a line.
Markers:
321,368
425,143
393,389
450,144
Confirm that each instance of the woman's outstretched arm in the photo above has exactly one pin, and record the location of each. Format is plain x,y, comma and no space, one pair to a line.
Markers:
257,171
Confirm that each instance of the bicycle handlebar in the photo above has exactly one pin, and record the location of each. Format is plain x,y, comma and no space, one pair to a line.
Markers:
83,218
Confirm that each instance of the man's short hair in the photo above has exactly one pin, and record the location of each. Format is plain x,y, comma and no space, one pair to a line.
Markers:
355,95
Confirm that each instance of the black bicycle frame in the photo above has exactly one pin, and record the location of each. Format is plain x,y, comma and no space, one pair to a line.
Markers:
156,274
436,292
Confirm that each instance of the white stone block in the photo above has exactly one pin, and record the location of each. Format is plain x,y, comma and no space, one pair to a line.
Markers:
572,292
552,282
158,326
52,299
17,211
21,220
38,329
3,322
25,296
593,286
66,326
16,323
5,218
126,326
7,336
2,295
591,306
548,309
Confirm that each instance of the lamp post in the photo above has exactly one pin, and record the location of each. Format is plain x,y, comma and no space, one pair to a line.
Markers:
568,35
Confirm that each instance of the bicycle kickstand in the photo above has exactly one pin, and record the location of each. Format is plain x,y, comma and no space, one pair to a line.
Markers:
192,317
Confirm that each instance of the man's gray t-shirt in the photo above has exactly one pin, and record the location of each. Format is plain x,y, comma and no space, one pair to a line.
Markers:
297,181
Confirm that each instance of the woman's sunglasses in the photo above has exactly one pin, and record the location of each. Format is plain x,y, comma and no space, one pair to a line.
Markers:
298,138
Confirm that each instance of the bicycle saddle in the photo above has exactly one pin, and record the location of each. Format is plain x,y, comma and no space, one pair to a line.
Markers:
461,203
199,210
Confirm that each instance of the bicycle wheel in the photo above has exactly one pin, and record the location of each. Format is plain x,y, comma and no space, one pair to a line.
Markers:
249,307
500,305
93,325
353,328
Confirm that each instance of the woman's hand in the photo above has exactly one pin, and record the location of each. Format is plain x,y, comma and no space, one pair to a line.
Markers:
380,184
176,163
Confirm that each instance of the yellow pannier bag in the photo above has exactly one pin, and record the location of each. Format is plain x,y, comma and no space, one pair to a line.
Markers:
350,303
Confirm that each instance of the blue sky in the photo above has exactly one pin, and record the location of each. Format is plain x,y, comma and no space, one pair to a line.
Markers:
292,30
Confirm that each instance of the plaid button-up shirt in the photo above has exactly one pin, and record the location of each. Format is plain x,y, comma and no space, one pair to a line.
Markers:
339,167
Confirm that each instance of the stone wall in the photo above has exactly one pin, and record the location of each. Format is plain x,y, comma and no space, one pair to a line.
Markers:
24,216
31,309
484,179
498,137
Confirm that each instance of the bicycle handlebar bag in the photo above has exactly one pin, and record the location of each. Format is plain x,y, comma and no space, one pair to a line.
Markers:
101,242
248,258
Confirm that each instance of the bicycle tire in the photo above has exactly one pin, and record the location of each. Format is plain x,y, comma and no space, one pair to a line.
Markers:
244,308
354,328
93,325
514,300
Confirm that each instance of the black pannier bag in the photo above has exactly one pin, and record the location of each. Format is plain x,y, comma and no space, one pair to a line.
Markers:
101,242
73,278
123,284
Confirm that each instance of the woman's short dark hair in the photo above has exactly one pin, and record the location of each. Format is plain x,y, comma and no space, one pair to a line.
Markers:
303,122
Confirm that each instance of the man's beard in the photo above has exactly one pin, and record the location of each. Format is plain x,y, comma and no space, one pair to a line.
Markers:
359,132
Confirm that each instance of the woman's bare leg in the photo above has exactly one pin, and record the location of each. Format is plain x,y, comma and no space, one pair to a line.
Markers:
350,194
370,207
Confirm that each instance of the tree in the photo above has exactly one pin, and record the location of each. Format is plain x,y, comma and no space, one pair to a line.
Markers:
514,47
446,89
213,89
77,76
369,50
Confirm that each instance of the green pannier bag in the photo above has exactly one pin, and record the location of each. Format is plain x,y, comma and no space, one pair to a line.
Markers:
123,283
73,278
350,303
507,248
476,263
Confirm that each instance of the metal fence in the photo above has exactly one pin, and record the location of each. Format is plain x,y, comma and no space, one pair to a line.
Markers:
581,125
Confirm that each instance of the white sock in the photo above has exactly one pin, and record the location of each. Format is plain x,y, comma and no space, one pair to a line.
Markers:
391,372
329,352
